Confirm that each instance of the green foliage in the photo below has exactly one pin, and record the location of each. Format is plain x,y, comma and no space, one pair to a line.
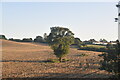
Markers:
60,40
111,60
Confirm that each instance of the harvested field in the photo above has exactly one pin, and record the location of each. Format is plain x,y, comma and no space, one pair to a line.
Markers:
21,60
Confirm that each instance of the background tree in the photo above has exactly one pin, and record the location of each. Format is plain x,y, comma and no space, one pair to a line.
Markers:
78,42
17,40
45,37
39,39
103,40
60,40
27,40
3,37
92,40
111,60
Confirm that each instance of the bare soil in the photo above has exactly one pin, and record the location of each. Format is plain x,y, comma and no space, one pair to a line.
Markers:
21,60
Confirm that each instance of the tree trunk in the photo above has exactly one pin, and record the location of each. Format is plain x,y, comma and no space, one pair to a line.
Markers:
60,59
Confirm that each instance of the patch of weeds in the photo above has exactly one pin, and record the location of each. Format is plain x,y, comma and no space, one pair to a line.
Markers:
83,54
65,60
53,61
57,61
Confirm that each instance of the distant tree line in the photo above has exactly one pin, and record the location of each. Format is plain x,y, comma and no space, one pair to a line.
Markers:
23,40
38,39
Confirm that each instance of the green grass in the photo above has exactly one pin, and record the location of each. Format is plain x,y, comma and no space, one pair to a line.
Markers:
96,46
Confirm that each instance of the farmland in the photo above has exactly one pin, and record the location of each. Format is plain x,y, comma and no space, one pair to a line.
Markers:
96,46
21,60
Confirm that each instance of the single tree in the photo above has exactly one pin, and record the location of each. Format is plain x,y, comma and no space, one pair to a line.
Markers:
60,40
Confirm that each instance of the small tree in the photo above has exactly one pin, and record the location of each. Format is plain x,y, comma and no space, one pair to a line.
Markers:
111,60
60,40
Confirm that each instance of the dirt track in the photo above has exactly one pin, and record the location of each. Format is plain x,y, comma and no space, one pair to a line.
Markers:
27,60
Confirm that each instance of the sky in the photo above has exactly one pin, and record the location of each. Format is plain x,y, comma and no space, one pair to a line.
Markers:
87,20
59,0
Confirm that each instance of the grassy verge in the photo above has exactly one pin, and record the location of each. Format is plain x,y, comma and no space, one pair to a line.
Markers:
98,48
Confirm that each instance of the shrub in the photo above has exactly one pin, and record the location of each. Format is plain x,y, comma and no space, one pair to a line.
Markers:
111,60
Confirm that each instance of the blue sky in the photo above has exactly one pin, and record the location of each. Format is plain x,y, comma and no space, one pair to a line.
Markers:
86,19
